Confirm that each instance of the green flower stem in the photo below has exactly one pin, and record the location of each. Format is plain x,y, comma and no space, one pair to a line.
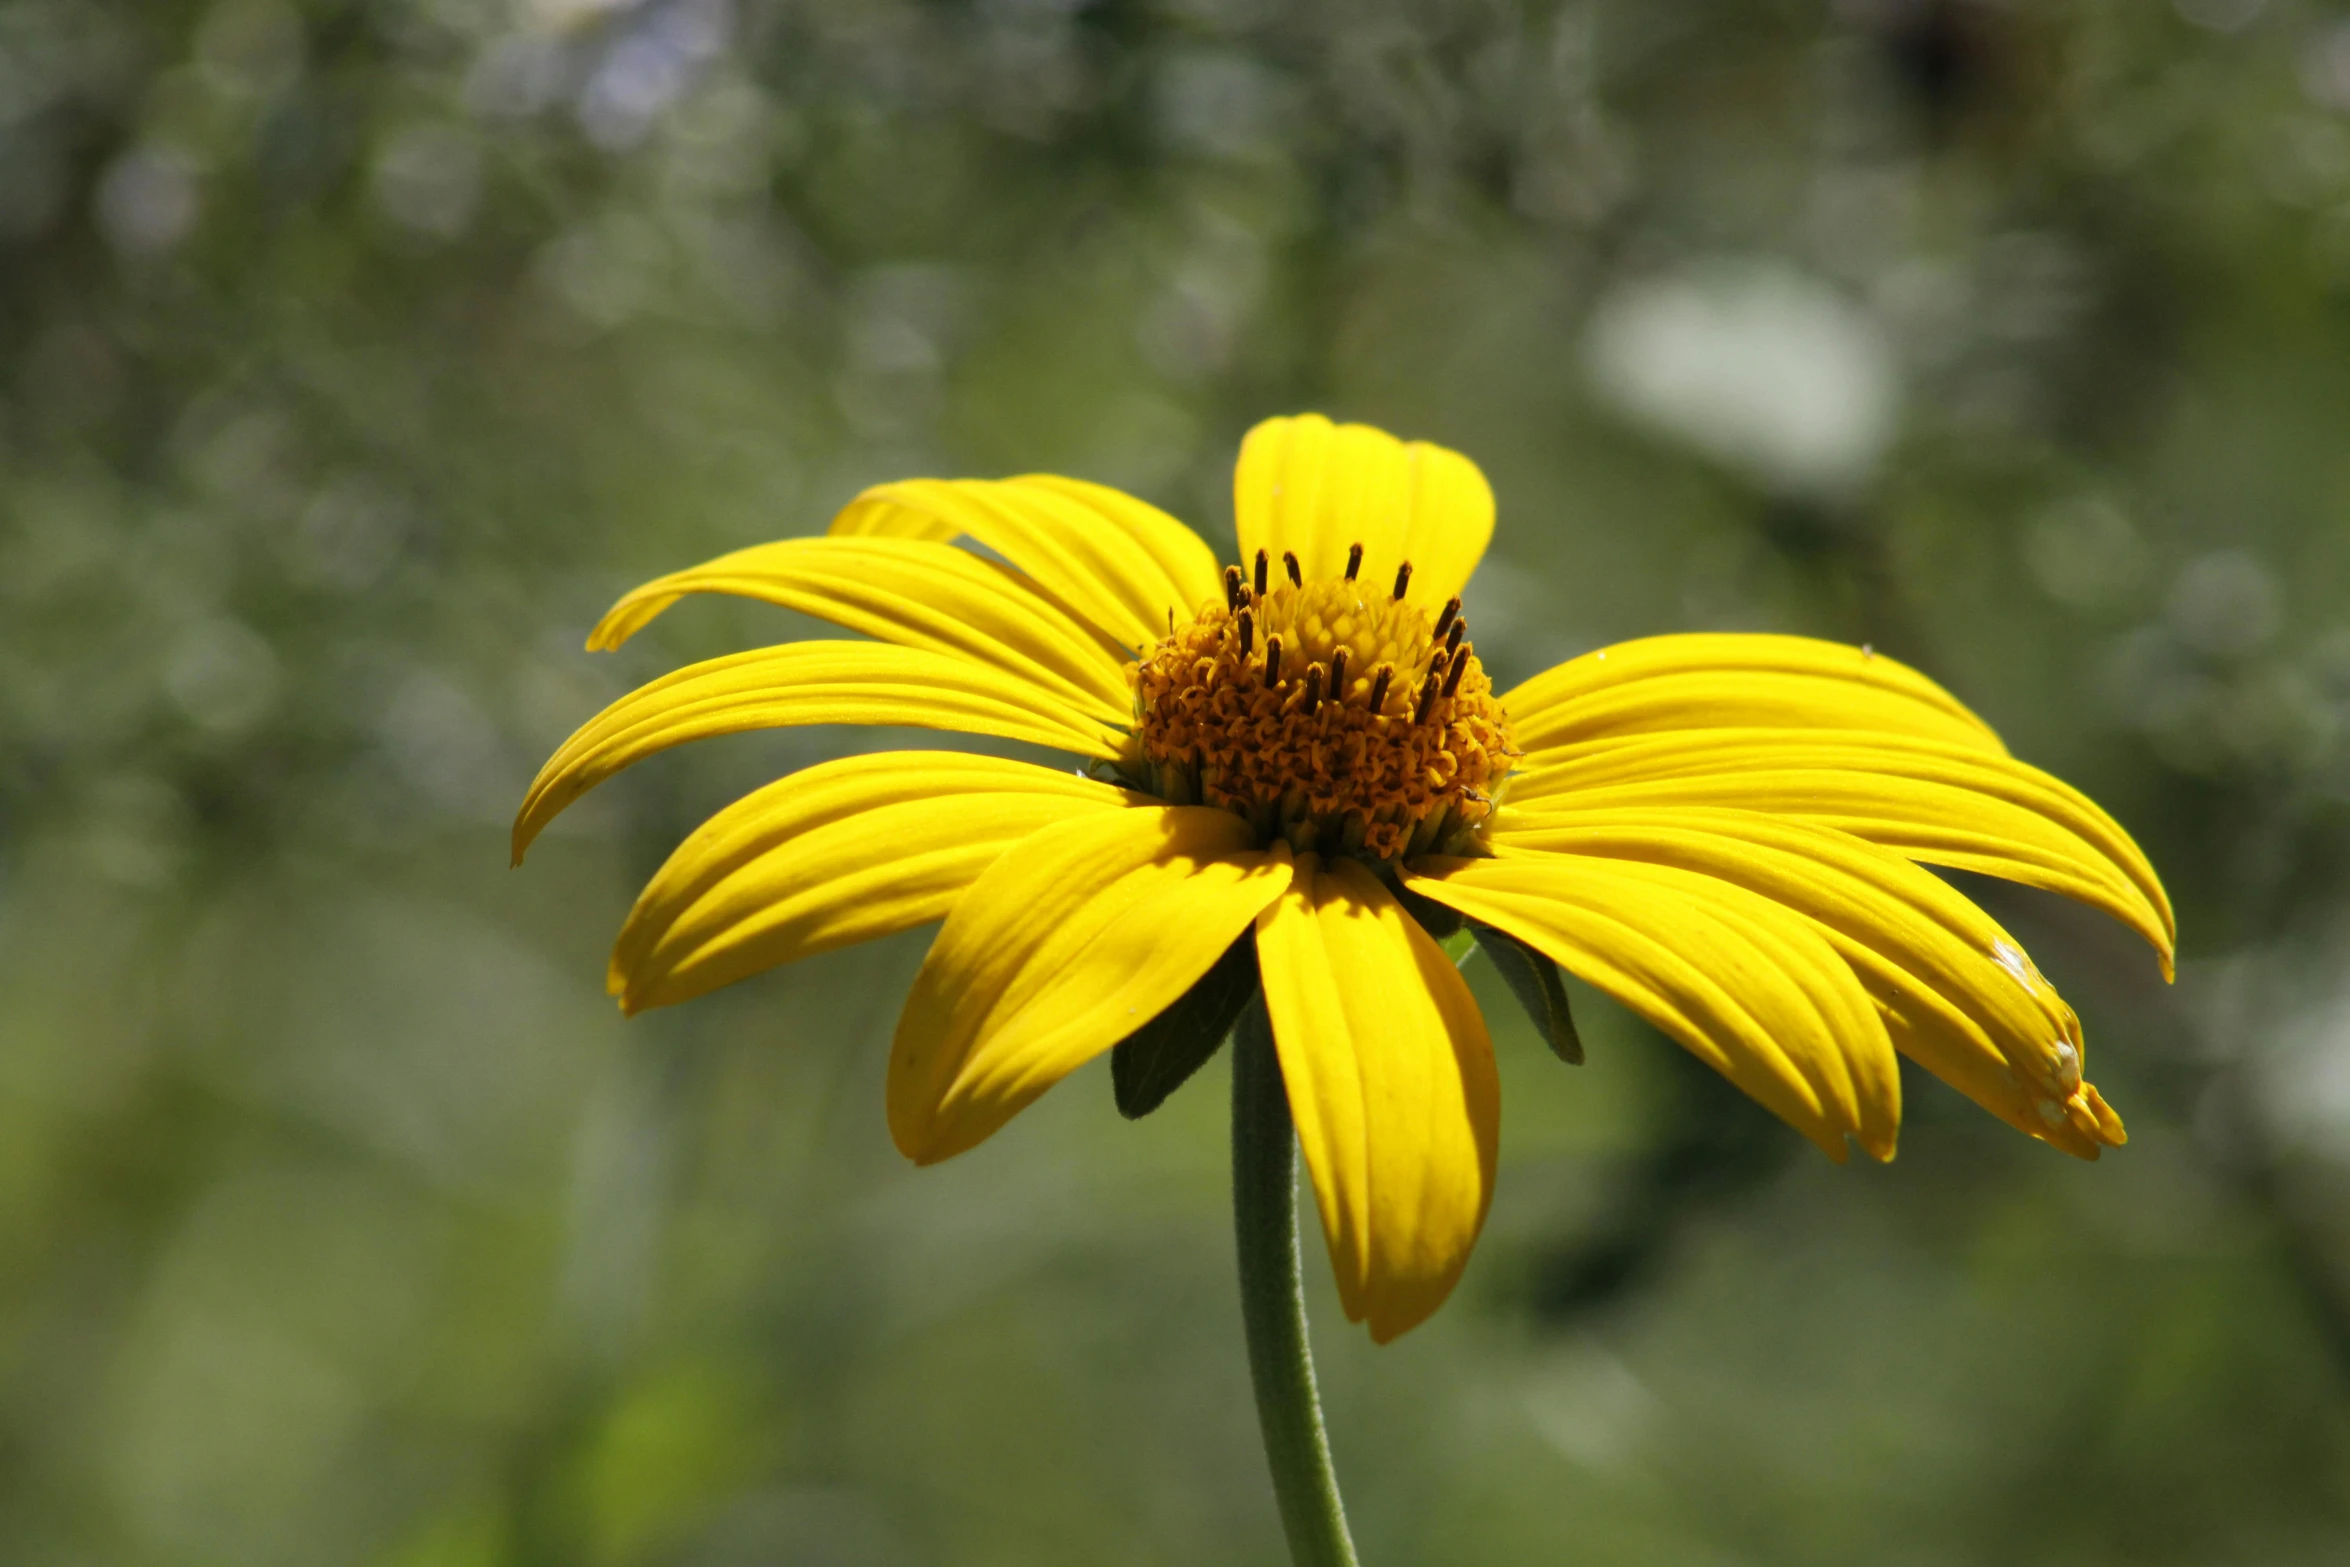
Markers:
1273,1303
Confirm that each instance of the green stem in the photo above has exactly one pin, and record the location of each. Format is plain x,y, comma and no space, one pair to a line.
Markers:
1273,1303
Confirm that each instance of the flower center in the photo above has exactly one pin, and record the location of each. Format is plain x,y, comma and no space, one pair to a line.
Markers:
1339,718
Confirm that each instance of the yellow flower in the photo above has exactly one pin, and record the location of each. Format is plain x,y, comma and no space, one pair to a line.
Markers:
1723,832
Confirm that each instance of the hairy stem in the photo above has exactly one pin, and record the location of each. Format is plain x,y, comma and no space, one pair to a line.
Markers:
1272,1302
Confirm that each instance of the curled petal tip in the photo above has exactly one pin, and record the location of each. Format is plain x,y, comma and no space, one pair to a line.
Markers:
523,834
608,638
907,1142
922,1146
2109,1122
1389,1320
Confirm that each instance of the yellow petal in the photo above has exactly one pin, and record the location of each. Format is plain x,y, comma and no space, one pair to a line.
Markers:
1391,1083
1084,933
913,592
1116,564
1958,995
1750,988
1941,804
1727,680
1318,488
1182,554
834,854
804,683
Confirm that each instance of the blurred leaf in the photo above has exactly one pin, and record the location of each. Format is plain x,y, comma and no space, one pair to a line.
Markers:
673,1444
467,1534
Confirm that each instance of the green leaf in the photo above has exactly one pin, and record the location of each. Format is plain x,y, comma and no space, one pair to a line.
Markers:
1159,1057
1534,980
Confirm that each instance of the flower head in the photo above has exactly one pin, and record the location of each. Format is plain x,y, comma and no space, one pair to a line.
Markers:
1297,757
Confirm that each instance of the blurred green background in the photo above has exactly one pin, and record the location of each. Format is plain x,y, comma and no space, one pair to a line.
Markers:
354,354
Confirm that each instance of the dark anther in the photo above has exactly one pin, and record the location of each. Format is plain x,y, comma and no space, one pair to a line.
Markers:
1403,578
1460,667
1338,676
1297,578
1232,587
1260,574
1272,662
1354,560
1248,631
1452,607
1427,698
1313,689
1452,638
1379,686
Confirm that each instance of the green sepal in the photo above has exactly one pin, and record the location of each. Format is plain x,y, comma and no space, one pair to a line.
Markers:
1159,1057
1534,979
1435,918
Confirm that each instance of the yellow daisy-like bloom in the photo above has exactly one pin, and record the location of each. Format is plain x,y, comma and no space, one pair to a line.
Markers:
1723,832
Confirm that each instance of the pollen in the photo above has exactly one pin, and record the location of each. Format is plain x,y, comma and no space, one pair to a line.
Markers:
1331,713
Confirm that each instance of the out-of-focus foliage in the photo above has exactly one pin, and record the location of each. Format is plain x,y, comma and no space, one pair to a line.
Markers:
354,355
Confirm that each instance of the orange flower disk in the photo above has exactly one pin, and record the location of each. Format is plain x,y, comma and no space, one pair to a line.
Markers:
1330,717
